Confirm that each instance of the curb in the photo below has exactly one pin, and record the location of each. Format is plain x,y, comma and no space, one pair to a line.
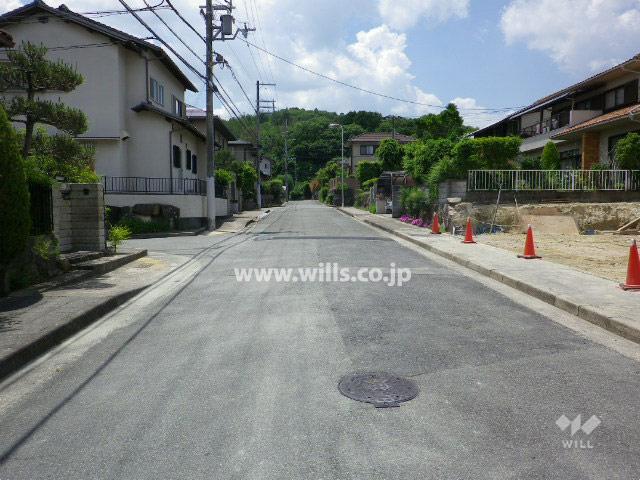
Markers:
26,354
143,236
585,313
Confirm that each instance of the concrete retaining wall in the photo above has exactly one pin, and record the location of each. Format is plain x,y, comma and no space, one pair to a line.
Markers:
78,216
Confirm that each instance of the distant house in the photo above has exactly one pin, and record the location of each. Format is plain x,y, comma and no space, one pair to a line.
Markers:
363,147
585,120
244,151
147,148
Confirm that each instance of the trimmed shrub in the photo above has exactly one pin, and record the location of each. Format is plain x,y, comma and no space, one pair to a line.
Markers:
367,169
628,152
324,191
15,218
224,177
550,159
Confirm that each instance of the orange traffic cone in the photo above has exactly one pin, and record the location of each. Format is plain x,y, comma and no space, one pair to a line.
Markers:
468,238
633,270
435,228
529,246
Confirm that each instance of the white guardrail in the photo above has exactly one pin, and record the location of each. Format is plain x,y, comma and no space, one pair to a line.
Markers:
560,180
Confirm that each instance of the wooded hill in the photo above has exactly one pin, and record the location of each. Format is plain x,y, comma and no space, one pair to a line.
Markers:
312,143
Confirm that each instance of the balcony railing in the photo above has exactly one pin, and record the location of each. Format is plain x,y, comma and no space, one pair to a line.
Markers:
558,180
154,186
555,122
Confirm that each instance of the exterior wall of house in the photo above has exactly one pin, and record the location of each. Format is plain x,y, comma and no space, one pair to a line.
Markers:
355,154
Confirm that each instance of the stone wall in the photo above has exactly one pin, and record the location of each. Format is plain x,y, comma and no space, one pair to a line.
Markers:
78,216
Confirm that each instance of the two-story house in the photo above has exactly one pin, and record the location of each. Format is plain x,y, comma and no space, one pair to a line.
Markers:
363,147
147,149
585,120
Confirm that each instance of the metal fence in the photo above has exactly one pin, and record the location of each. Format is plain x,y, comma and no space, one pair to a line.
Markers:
555,180
156,186
41,209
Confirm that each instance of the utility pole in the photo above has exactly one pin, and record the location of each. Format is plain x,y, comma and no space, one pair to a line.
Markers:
286,154
211,134
223,31
269,104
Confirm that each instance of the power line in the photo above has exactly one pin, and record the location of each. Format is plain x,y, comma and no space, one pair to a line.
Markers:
371,92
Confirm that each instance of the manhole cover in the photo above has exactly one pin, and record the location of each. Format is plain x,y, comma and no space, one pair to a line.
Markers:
378,388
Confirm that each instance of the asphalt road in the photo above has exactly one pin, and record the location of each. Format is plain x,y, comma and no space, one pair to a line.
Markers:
206,377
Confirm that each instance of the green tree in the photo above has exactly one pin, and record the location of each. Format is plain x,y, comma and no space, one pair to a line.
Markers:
550,159
628,152
60,156
366,170
390,153
420,157
246,178
28,71
15,217
446,124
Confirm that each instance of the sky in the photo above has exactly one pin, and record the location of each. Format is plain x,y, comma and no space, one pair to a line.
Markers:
483,55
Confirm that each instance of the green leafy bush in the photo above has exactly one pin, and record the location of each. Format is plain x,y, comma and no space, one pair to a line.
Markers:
301,191
531,163
368,169
246,178
414,201
136,225
390,153
324,191
224,177
373,209
628,152
420,157
443,170
330,198
370,183
117,235
60,155
15,218
550,159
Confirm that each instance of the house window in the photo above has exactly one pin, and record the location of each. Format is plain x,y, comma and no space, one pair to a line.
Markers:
194,164
177,157
188,159
178,107
367,149
570,159
156,91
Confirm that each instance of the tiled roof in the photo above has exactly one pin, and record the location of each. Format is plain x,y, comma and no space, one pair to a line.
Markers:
378,137
601,120
588,82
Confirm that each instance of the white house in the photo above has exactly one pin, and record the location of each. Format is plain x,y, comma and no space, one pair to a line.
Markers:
585,120
147,149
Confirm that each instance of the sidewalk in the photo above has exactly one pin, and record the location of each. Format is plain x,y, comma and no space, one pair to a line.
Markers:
591,298
239,221
35,319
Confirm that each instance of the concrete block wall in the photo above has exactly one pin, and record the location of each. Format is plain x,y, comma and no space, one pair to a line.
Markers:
78,216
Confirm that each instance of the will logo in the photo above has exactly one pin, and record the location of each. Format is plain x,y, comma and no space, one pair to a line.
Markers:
576,426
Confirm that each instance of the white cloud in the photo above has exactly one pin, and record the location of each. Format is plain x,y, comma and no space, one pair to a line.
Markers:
579,35
473,114
404,14
375,59
9,5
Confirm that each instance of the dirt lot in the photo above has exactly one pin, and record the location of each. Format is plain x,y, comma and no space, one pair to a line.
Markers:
602,255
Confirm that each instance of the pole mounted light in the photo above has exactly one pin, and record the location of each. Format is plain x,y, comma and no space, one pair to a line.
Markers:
337,125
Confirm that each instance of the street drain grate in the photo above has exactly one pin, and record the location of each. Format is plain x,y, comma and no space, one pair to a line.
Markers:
381,389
